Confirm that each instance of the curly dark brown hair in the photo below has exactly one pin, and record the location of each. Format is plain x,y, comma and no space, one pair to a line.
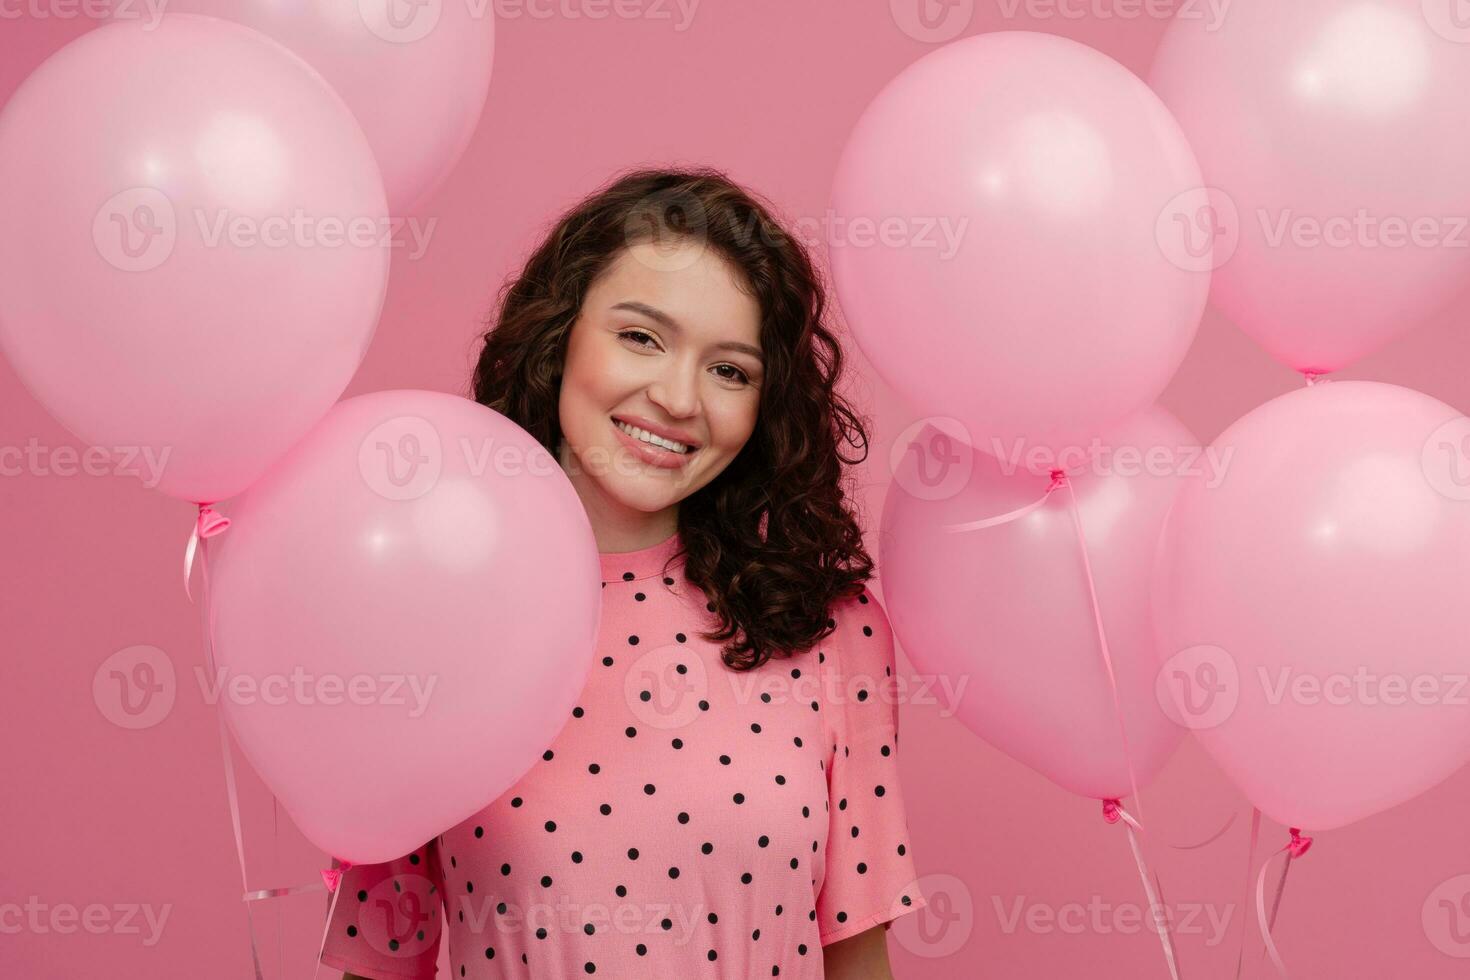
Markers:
770,541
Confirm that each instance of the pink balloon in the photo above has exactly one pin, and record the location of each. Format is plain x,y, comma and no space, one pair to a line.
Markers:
997,255
1310,606
169,275
415,74
1005,610
414,539
1336,138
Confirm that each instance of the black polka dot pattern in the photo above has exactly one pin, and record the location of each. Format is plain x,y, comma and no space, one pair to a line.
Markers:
688,820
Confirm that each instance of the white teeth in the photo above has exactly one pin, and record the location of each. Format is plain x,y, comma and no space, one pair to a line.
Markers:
646,436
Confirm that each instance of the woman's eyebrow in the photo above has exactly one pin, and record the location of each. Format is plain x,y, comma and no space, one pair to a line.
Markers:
662,318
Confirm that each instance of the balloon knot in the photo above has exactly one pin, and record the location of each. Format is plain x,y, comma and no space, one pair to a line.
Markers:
332,877
1298,845
1058,479
211,522
1315,377
1112,809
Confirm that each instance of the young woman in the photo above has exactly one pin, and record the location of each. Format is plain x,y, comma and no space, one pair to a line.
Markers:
723,802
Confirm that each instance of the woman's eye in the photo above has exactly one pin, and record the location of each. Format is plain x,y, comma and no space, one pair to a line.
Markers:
636,333
634,337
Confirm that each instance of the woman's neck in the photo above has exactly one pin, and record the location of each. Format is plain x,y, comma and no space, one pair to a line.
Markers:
621,538
617,527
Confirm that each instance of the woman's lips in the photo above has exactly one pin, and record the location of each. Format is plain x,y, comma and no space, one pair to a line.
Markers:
653,455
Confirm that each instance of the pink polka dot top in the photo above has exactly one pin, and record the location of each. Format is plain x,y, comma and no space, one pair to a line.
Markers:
689,820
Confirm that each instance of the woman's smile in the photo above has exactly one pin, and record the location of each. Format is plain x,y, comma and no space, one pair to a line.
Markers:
653,454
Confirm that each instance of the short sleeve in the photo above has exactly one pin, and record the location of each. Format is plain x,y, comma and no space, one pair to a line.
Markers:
389,917
869,867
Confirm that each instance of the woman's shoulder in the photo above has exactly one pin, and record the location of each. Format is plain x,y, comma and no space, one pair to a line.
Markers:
861,633
858,660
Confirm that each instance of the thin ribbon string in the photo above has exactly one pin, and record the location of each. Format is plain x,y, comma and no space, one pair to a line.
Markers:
264,893
1058,478
332,877
1058,481
276,864
1293,849
1112,808
1113,812
1250,857
201,538
1229,822
1102,638
210,524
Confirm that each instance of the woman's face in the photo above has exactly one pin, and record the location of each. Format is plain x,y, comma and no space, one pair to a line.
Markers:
668,342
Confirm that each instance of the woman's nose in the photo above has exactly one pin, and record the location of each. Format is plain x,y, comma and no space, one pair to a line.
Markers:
676,393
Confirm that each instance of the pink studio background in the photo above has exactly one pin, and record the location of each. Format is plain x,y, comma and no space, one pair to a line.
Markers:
767,90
